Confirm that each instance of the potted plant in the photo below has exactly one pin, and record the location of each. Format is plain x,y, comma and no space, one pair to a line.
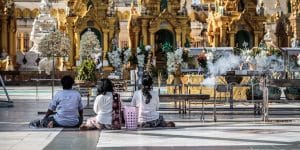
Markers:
274,93
258,94
89,48
292,93
86,73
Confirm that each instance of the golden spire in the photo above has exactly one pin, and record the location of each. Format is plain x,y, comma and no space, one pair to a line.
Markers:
277,5
132,4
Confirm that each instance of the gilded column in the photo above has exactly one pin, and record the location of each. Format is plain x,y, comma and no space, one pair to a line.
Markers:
223,37
216,39
256,38
130,40
232,39
152,42
12,41
290,36
136,39
183,37
22,42
77,52
144,30
4,33
178,37
105,43
70,30
111,37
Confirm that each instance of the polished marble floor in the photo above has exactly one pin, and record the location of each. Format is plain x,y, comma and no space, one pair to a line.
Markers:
230,132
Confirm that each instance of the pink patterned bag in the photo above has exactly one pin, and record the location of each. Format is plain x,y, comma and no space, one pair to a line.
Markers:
131,117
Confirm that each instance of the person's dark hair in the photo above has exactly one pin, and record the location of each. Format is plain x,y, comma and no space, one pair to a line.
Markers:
147,87
67,82
105,85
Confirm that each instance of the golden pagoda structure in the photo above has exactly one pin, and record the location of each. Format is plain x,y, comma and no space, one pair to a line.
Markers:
283,30
295,17
8,30
234,22
97,16
156,22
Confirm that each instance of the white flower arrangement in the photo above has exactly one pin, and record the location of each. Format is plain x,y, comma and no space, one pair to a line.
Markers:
126,55
210,56
138,50
46,64
141,55
54,44
246,54
148,48
89,44
141,60
174,58
118,57
114,58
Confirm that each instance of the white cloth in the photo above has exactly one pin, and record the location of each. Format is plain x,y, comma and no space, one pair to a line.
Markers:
103,108
146,112
66,103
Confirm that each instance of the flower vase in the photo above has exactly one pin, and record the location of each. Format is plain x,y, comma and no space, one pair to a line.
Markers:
140,74
118,71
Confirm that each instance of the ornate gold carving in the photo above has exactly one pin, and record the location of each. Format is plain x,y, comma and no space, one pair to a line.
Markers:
227,14
91,15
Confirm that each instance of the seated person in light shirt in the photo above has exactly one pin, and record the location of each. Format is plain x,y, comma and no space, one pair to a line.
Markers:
103,107
147,102
68,106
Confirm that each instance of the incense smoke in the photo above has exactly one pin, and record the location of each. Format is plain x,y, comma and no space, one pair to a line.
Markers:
226,63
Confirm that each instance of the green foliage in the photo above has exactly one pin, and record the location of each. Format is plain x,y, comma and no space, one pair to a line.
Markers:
274,92
237,51
255,52
87,71
258,94
292,93
167,47
293,90
274,51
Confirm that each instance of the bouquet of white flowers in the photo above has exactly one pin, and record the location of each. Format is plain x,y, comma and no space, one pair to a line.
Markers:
174,58
126,55
142,53
141,60
54,44
114,58
89,44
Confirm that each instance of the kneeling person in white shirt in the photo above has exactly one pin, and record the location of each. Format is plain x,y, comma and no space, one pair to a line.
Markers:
147,102
102,107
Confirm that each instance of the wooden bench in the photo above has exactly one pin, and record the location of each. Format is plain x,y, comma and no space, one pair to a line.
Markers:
184,100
